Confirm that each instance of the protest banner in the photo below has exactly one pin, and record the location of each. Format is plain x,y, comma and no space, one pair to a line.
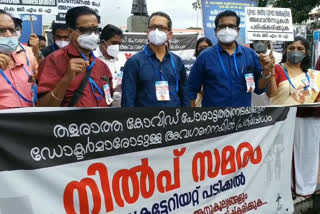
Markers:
65,5
136,160
273,24
211,8
37,7
300,30
182,44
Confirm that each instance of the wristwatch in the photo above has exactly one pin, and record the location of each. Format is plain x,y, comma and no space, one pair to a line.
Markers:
266,77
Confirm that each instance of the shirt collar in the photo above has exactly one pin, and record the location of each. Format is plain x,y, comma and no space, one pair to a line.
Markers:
72,50
98,53
238,51
19,49
151,53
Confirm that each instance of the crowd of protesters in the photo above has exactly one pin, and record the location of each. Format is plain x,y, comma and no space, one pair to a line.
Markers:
81,70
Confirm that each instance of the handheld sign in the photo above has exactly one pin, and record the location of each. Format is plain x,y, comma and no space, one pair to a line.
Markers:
35,7
272,24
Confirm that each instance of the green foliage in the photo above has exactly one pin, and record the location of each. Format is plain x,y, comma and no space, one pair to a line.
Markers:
196,5
300,8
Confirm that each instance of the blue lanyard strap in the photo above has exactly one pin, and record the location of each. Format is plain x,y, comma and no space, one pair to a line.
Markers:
287,75
94,86
24,50
34,89
53,48
234,61
28,62
160,74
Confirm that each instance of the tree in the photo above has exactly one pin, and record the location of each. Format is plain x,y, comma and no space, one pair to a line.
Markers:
300,8
196,5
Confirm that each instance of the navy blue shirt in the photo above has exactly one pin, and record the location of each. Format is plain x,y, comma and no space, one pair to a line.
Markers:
224,89
139,78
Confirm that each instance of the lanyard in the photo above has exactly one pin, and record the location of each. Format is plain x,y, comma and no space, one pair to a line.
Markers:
234,60
287,75
160,74
24,50
93,84
53,48
34,89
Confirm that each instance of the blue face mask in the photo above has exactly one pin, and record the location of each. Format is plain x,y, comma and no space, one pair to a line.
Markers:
8,45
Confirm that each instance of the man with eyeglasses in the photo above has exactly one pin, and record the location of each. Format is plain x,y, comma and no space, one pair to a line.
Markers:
108,50
229,72
155,77
73,76
18,68
61,38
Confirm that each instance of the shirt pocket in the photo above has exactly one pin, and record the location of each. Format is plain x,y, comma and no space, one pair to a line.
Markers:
147,72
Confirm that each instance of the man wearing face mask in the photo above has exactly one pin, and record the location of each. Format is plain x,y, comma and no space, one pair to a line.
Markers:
262,47
228,72
61,38
155,77
18,68
73,76
108,50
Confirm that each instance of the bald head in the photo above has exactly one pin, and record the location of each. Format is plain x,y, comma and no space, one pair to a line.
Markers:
7,27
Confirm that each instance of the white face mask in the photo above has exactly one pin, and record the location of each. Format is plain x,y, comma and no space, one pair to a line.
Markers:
62,43
18,34
157,37
89,41
227,35
113,50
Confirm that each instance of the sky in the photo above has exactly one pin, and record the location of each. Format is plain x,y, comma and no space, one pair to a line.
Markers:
116,12
181,11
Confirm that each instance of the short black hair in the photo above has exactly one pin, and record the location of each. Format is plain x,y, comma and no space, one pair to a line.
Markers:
110,31
41,38
74,13
306,63
2,12
225,14
203,39
58,26
160,13
17,22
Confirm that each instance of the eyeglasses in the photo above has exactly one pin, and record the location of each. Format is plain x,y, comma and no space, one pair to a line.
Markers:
89,30
231,26
4,31
160,27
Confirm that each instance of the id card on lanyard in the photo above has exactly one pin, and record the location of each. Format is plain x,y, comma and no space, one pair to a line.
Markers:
306,82
31,79
250,82
162,87
94,86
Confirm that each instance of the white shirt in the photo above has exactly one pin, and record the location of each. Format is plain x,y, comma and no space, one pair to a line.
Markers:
113,65
115,69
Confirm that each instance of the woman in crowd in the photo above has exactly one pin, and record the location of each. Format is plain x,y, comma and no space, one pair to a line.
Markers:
202,44
306,149
292,83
